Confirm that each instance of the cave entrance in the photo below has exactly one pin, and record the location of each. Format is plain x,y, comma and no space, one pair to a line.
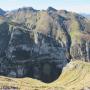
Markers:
50,72
45,71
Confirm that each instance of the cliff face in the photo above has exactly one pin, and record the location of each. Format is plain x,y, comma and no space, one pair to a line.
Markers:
29,53
39,44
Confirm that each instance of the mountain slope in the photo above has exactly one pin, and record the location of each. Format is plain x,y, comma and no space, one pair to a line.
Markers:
38,44
75,76
66,27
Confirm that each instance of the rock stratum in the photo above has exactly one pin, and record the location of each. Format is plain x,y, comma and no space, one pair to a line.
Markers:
75,76
39,43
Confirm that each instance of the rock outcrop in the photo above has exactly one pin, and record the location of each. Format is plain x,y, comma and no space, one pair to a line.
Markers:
39,44
30,54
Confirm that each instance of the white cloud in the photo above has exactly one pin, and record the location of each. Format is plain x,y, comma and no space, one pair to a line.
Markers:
80,8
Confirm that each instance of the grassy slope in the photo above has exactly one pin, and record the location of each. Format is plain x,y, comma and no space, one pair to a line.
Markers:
75,76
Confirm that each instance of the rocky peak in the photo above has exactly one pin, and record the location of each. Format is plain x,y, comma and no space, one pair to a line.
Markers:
51,9
21,11
26,9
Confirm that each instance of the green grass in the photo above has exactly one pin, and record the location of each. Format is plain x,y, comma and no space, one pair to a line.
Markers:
75,30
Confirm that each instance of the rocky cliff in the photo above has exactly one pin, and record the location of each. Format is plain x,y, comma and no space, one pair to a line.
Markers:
39,44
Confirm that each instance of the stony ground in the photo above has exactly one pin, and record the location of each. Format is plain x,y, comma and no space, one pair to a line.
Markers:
75,76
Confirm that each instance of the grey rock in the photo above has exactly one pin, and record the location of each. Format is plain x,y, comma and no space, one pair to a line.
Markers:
38,44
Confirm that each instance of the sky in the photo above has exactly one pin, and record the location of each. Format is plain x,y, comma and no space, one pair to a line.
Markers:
79,6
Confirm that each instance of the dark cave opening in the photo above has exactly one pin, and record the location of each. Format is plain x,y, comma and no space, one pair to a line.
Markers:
45,72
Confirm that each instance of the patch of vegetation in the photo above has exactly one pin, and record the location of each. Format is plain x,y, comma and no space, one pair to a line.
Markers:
75,30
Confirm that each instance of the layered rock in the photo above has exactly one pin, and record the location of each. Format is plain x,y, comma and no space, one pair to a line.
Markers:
39,44
32,54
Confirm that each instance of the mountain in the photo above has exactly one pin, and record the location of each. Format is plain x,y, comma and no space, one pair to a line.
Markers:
39,43
75,76
2,12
